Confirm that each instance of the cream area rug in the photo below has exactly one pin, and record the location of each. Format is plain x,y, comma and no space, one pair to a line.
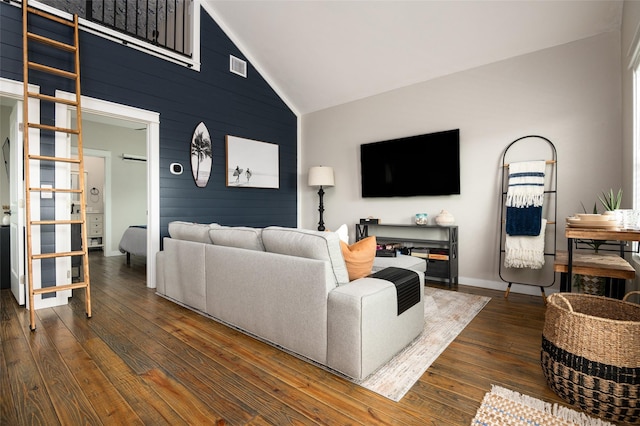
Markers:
505,407
446,314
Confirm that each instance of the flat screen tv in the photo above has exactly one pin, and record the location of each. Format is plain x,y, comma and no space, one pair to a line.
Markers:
426,164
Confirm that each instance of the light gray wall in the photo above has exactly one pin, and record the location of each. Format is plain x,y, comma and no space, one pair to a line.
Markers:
570,94
95,183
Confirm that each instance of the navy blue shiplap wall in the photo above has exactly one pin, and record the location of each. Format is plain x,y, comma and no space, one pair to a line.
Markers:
227,103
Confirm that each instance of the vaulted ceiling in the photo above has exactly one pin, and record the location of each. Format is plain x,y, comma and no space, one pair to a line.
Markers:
319,54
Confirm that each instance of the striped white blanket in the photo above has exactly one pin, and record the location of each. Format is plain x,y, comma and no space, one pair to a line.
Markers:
526,184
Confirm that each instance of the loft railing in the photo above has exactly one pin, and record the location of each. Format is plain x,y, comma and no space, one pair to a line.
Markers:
164,23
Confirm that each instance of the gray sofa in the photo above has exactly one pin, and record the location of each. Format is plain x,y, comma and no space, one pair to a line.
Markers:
288,287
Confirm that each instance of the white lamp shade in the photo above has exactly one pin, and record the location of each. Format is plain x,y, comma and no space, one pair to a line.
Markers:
321,176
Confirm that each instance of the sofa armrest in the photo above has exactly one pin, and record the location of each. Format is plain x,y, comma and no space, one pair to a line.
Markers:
364,329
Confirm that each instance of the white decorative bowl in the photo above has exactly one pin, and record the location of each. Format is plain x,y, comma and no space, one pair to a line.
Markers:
445,218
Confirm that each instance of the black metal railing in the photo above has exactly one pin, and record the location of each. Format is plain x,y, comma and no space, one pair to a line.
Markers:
164,23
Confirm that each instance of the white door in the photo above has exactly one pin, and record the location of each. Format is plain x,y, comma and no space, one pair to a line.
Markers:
19,271
16,199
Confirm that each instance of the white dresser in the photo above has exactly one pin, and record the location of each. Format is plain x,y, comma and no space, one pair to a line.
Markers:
95,240
95,230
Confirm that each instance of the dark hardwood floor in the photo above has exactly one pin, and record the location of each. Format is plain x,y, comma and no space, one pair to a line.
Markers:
141,359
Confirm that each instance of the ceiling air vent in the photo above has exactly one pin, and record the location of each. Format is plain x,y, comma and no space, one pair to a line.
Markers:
237,66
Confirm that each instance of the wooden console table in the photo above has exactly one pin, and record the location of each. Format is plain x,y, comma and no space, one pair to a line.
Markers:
597,264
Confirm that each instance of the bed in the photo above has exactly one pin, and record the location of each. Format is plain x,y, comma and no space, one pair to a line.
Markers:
134,241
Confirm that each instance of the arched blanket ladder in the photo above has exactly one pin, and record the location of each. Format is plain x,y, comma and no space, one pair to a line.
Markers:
520,151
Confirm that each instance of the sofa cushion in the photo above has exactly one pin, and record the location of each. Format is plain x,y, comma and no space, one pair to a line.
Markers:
343,233
189,231
309,244
400,261
359,257
237,236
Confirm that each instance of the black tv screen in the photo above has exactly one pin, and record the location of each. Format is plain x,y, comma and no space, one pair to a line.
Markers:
417,165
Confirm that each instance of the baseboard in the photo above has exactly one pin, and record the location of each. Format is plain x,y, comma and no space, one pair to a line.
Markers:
502,286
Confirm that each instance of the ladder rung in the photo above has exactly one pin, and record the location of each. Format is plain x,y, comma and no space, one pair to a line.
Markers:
53,128
51,42
52,99
64,190
57,222
59,288
49,16
52,70
47,158
58,254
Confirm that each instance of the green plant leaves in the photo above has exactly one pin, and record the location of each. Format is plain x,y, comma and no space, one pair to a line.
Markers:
611,201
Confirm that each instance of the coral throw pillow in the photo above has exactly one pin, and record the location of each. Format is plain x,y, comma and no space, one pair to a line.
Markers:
359,257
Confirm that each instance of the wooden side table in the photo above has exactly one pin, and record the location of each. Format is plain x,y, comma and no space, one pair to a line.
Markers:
610,266
597,262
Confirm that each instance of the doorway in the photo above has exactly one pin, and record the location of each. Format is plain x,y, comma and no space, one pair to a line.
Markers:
11,93
126,117
116,189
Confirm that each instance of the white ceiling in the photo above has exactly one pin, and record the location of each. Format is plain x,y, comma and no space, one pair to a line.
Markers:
319,54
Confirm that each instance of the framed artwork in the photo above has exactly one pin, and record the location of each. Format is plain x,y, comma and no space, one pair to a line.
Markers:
252,164
201,155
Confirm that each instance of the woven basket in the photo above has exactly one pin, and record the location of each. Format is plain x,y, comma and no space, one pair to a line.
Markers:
591,354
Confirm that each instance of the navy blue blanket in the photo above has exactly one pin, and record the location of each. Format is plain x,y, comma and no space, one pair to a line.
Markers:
524,220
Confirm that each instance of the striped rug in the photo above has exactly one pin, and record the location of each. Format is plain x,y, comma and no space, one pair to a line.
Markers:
446,314
508,408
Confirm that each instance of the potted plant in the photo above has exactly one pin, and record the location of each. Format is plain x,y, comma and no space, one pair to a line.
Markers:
611,201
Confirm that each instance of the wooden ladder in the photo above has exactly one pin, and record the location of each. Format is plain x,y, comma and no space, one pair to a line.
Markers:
31,160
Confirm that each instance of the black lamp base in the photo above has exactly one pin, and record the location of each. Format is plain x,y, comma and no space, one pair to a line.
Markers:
321,210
